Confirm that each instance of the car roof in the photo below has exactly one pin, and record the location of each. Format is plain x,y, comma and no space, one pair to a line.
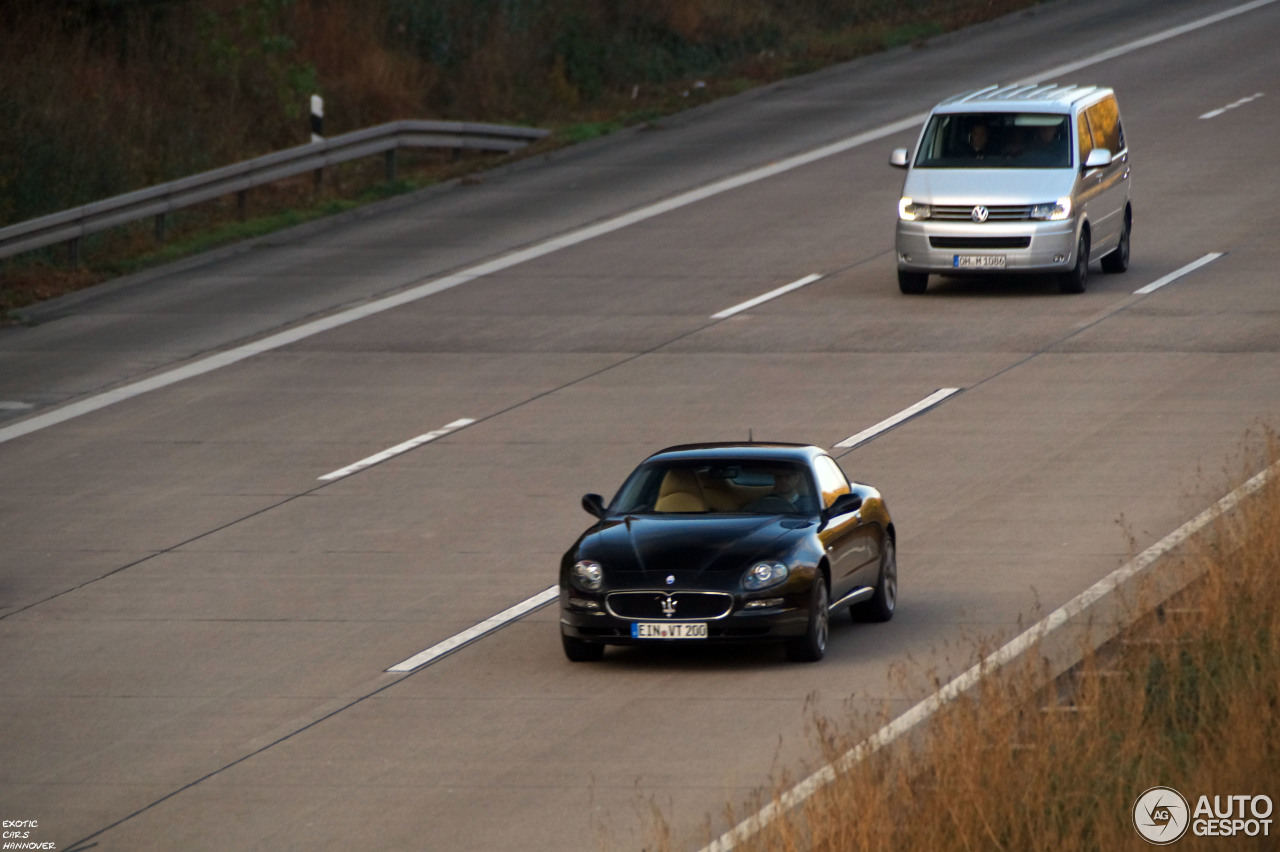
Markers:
739,450
1033,97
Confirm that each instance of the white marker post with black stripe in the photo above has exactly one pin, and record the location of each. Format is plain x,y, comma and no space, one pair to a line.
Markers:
317,118
317,133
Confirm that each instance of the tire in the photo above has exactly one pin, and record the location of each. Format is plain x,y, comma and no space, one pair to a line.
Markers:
913,283
810,647
1075,280
884,602
582,652
1118,260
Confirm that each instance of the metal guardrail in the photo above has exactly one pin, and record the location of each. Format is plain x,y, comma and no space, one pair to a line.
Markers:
70,226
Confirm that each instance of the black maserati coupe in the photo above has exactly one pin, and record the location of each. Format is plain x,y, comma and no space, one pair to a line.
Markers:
746,542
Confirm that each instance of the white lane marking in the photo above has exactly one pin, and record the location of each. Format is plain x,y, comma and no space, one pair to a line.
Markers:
1217,112
1156,38
398,449
471,634
884,425
1178,273
772,294
293,335
1018,646
14,405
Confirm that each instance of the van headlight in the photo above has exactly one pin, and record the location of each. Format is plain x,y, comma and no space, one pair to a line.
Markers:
908,209
1059,209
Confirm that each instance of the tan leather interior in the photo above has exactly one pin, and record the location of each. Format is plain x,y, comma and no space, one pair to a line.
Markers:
680,492
683,491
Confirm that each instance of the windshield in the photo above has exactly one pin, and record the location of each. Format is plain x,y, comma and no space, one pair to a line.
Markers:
724,487
995,140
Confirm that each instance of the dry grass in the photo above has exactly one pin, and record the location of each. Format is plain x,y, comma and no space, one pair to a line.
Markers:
1188,697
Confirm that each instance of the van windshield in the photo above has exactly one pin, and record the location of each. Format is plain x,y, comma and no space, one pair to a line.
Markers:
995,140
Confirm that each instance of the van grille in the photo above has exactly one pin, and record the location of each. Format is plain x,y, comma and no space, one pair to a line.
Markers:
997,213
980,242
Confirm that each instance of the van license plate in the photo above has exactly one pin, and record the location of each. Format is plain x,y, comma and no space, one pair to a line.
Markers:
978,261
668,630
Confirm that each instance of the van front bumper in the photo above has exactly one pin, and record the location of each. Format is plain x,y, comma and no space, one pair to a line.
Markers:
943,248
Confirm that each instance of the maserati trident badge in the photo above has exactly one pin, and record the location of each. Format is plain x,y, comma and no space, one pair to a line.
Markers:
668,606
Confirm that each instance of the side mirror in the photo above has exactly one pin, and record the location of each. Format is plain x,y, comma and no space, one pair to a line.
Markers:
899,157
843,505
594,504
1098,158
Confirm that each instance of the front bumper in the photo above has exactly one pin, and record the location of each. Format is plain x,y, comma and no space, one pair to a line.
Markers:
788,618
1049,246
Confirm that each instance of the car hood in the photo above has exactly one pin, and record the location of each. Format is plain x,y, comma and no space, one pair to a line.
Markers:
988,186
662,545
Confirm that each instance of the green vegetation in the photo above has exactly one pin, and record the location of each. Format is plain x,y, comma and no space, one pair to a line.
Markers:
102,97
1188,698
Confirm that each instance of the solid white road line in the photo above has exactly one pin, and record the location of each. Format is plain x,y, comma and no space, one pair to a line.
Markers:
884,425
1217,112
1020,645
293,335
1178,273
471,634
772,294
398,449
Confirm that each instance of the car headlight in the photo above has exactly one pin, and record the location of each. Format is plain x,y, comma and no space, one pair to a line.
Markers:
908,209
587,575
1059,209
762,575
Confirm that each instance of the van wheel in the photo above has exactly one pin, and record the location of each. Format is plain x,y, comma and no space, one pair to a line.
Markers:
1075,280
1118,260
913,283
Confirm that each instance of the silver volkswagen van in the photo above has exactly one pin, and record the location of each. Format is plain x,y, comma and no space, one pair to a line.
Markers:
1024,179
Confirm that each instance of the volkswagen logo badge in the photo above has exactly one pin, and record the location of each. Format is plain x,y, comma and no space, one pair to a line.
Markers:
980,213
671,579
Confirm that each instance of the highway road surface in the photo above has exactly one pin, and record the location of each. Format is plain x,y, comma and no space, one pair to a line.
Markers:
196,626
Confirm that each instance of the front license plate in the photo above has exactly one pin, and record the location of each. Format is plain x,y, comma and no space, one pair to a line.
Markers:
668,630
978,261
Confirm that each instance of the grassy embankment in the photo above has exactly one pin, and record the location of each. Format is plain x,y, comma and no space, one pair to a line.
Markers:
102,97
1188,698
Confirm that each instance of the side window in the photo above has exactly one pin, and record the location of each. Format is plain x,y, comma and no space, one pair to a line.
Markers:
1104,119
831,479
1084,139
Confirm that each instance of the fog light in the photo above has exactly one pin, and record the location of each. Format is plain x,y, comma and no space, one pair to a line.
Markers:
1059,258
905,258
764,603
583,604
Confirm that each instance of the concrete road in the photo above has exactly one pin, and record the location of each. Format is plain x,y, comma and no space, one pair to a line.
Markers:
195,628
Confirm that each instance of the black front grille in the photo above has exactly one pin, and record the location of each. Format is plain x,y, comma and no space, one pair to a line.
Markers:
674,606
980,242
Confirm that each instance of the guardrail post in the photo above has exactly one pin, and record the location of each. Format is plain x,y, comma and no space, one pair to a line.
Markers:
390,159
242,204
160,227
73,252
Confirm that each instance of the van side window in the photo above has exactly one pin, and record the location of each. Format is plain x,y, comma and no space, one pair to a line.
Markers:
1084,138
1104,119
